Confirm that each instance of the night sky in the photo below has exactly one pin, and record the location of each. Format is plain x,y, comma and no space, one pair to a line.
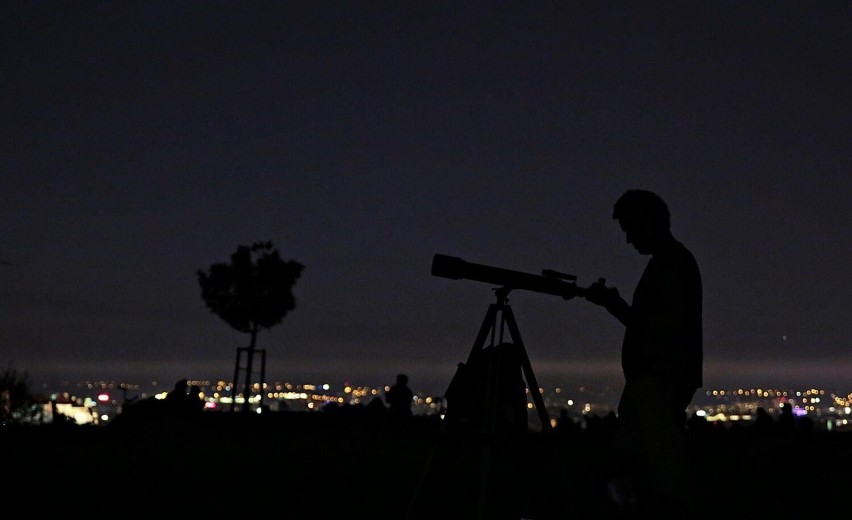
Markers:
143,141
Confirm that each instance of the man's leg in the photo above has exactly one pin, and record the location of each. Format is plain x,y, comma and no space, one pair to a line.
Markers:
651,445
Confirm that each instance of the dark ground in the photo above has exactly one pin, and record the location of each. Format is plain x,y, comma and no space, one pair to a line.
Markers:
300,465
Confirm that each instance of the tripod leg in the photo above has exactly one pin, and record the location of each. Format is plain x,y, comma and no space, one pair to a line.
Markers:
528,371
489,325
444,447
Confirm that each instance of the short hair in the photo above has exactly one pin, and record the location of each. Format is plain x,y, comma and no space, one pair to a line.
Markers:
642,204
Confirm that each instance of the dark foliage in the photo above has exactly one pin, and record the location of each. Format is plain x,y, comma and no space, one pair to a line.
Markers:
16,401
254,290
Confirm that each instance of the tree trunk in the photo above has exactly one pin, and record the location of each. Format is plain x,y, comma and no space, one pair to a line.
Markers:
249,368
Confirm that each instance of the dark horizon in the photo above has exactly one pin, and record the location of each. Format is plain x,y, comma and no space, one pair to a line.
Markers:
435,385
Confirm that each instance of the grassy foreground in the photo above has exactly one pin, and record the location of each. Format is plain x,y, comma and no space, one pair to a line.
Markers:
301,465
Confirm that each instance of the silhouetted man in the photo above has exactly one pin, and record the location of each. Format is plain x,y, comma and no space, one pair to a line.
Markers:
661,359
399,397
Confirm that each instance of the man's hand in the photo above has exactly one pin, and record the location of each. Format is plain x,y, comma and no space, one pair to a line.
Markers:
571,292
599,294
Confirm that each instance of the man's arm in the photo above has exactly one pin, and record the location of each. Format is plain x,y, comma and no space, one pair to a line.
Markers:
609,299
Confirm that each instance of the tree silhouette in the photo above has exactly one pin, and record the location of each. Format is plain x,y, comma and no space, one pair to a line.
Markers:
17,405
252,292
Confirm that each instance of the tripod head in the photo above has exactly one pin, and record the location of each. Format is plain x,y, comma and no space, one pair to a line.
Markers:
549,282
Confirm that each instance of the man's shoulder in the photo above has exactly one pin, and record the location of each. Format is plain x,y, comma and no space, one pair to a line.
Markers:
676,257
677,250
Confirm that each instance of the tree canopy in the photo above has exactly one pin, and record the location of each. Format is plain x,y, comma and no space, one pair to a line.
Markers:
17,404
254,290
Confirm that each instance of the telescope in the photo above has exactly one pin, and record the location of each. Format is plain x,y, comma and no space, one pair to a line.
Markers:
548,282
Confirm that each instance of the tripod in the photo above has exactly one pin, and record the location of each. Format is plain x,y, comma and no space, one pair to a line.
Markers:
486,416
499,317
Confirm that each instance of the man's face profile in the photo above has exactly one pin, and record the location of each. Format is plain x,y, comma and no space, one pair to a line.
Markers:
638,232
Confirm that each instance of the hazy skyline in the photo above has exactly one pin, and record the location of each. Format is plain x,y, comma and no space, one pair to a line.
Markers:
144,141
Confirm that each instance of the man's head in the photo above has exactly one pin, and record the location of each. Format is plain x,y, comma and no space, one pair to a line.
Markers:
644,218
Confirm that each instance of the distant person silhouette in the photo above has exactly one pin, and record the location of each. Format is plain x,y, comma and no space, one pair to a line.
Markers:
179,392
661,358
183,398
399,397
787,421
196,402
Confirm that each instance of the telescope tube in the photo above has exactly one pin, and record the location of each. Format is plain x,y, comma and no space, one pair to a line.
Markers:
455,268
